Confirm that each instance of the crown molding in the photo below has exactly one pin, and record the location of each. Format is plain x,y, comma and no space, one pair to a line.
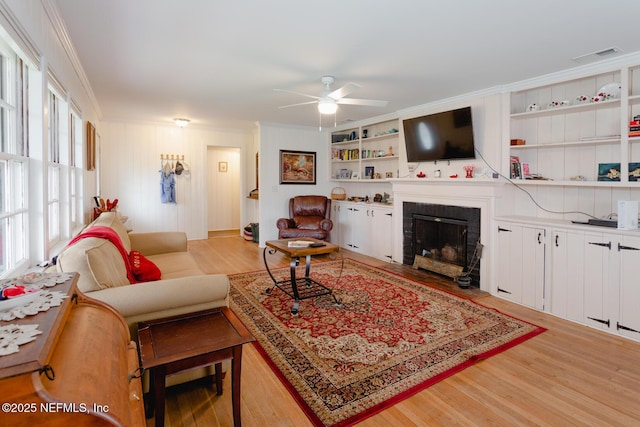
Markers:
61,32
18,36
605,66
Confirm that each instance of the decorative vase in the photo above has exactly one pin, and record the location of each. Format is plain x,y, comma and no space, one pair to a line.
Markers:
469,170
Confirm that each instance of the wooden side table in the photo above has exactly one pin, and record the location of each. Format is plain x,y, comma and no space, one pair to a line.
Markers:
172,345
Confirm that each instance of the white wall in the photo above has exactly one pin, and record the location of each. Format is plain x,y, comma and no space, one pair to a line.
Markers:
274,197
131,163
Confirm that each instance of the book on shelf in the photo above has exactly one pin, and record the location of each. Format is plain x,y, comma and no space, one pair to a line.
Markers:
516,168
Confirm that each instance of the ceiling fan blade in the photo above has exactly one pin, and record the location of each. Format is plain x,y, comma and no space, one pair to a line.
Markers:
301,103
297,93
363,102
343,91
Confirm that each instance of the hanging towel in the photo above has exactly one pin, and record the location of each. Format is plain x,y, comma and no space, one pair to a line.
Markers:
167,187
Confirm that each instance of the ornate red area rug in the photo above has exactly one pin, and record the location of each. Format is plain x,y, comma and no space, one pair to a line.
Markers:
390,338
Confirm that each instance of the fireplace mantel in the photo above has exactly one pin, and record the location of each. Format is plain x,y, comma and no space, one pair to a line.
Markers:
474,192
475,187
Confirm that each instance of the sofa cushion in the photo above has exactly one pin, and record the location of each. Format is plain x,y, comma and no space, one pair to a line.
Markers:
176,264
143,269
307,222
111,220
98,262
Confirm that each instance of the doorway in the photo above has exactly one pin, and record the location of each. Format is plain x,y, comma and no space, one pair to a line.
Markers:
223,198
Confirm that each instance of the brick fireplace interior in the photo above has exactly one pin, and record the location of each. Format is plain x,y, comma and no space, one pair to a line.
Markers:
443,233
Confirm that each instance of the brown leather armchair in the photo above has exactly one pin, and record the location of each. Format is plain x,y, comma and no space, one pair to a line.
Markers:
308,217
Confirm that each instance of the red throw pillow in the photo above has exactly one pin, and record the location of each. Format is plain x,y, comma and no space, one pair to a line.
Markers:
143,269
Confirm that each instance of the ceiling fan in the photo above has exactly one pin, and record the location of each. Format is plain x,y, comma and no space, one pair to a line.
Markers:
328,100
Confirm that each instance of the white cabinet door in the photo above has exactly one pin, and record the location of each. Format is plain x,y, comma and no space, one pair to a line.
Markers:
344,225
598,270
363,228
628,323
359,229
353,223
381,232
521,264
533,250
567,274
510,262
334,236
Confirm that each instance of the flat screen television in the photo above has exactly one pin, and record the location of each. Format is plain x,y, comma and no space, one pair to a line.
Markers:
441,136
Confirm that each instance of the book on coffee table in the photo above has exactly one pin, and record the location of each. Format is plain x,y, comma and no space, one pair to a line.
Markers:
299,244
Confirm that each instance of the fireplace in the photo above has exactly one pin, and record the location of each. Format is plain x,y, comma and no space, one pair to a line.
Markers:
441,238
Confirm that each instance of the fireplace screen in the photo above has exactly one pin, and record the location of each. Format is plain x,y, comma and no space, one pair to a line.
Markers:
440,239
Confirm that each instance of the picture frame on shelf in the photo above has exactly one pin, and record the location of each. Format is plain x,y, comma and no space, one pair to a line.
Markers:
297,167
355,175
368,172
345,174
634,171
609,172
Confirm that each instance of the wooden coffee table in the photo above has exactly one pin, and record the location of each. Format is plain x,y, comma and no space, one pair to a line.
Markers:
175,344
299,288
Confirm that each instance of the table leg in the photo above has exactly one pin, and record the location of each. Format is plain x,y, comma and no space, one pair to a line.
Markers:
307,268
150,397
294,286
218,369
159,378
266,265
236,368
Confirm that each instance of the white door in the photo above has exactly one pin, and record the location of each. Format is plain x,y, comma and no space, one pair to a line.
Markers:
509,275
344,225
359,229
597,254
567,274
628,323
335,219
533,248
381,231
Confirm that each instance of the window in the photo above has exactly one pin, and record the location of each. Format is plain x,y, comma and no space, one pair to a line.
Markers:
14,166
41,160
54,171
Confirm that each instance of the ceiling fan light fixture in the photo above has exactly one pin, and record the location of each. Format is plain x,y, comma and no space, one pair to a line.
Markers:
181,122
327,106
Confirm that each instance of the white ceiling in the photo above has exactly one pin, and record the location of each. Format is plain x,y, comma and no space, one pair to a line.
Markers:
218,61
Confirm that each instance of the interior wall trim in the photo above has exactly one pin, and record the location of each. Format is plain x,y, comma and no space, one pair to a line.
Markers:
61,32
19,35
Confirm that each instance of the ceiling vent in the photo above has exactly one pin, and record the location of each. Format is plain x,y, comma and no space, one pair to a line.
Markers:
598,56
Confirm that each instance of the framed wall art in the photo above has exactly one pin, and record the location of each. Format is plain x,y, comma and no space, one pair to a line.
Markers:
222,166
297,167
91,146
634,172
608,171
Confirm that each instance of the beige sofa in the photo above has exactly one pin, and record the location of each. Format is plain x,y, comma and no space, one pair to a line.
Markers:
183,287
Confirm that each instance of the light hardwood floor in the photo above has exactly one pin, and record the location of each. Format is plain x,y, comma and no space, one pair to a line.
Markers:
570,375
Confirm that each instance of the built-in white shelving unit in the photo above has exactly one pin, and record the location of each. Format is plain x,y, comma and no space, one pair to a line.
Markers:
571,143
367,153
